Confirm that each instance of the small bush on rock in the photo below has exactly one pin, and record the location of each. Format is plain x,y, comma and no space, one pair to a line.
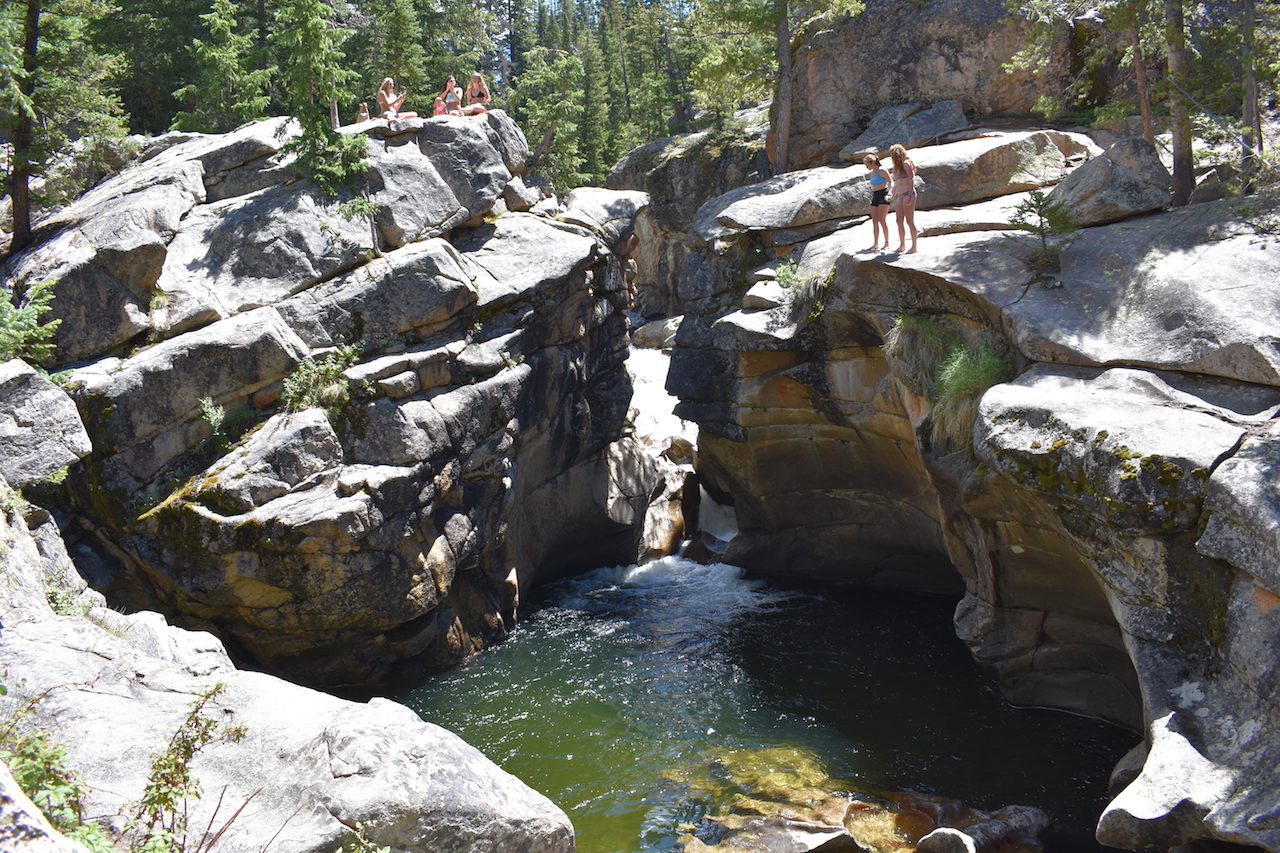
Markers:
319,381
1042,217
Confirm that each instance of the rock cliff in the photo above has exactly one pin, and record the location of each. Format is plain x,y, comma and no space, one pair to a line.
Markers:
1096,486
343,432
112,689
894,53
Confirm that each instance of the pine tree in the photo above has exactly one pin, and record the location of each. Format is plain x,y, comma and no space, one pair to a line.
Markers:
53,90
550,93
593,132
226,92
314,73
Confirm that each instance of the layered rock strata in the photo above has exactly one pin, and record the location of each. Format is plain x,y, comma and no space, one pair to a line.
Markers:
1106,518
325,431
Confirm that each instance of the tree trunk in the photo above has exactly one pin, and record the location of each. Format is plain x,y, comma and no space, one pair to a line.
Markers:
782,99
1140,83
20,176
1180,118
1248,140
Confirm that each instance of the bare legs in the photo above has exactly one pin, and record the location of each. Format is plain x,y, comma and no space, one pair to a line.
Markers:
906,211
879,225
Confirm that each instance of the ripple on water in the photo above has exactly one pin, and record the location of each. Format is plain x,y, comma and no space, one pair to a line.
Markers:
639,697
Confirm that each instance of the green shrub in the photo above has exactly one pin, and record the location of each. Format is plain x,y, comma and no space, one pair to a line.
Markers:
215,416
159,818
22,335
1042,217
961,381
319,381
39,767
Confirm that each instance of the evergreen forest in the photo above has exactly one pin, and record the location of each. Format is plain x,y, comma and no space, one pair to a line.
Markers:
588,80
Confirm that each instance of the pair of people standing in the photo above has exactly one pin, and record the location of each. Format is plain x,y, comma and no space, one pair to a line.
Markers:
900,185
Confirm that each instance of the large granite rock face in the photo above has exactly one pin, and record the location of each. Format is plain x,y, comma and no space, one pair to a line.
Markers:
1126,180
113,689
1108,521
354,523
894,53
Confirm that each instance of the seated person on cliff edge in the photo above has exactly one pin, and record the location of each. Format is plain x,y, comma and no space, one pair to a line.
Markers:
389,103
451,96
477,95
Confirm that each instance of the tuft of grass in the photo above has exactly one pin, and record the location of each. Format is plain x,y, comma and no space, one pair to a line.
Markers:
961,381
921,343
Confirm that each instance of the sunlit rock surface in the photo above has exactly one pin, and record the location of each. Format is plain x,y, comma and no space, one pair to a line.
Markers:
1103,510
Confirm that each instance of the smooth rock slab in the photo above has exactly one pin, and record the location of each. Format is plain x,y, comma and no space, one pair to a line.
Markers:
40,429
909,125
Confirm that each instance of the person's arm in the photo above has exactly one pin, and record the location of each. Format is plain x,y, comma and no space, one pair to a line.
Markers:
399,101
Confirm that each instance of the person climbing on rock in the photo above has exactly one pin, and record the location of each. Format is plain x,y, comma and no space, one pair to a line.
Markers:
903,192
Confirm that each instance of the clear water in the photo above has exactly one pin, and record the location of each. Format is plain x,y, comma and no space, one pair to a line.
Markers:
626,693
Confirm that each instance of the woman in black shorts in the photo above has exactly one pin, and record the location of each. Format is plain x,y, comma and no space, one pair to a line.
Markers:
879,201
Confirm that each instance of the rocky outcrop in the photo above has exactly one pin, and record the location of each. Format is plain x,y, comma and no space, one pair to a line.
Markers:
894,53
679,174
1126,180
909,125
1103,510
346,437
308,770
40,429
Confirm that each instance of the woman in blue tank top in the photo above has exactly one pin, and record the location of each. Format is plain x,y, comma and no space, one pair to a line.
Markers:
879,201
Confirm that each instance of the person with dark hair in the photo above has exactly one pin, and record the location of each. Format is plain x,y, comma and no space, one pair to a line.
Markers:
879,200
451,95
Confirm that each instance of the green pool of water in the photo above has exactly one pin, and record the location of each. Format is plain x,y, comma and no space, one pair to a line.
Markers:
642,699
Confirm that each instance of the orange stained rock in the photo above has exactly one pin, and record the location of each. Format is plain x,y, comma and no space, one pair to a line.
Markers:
1264,600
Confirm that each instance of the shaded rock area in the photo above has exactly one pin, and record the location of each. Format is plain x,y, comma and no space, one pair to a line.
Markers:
112,689
894,53
679,174
1103,512
909,125
345,441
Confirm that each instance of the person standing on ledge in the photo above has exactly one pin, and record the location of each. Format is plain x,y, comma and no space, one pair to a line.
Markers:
879,200
904,195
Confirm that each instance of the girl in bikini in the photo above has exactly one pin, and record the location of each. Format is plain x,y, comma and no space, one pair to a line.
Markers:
477,95
451,95
904,195
879,201
389,103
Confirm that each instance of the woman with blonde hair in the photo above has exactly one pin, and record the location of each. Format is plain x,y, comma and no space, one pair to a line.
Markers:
477,95
903,191
389,103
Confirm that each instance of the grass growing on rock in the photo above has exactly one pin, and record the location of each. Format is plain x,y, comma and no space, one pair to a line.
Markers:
961,381
921,343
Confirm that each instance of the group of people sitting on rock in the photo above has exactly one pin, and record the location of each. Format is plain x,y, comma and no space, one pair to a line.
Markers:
452,100
899,185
